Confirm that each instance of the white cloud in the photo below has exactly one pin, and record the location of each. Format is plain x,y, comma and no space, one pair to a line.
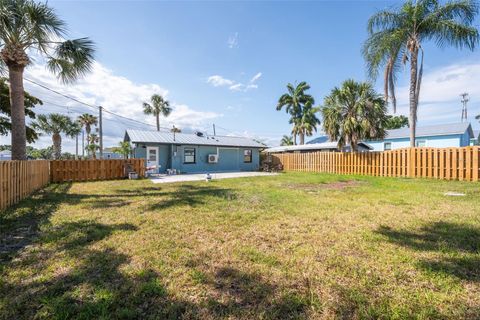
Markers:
115,93
219,81
232,41
440,94
256,77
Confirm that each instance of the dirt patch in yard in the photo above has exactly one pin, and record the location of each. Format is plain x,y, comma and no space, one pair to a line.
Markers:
313,187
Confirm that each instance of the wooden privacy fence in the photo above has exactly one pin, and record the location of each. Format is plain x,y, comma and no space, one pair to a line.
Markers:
448,163
18,179
89,170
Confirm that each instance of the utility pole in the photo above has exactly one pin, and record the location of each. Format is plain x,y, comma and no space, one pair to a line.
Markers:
214,129
464,101
83,144
100,130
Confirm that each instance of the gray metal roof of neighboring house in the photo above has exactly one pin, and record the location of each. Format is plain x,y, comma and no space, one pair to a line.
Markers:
433,130
6,152
311,146
142,136
320,139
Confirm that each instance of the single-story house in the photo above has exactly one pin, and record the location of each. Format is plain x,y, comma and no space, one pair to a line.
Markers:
5,155
329,146
108,153
195,153
436,136
475,141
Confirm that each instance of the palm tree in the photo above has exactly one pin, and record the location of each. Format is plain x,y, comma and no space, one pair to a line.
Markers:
158,106
74,131
176,130
293,101
92,145
286,141
353,113
308,121
124,148
26,26
397,36
55,124
88,120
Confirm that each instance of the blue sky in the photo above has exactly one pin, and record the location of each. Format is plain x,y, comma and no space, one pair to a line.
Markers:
228,62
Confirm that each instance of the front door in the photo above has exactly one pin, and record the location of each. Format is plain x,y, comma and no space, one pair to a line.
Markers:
152,158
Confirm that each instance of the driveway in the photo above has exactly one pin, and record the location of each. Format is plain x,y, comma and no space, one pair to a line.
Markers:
201,176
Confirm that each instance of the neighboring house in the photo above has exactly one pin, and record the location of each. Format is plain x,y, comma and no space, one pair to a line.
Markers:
312,147
5,155
197,152
436,136
475,141
109,154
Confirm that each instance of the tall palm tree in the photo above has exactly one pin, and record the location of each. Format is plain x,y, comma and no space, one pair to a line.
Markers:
286,141
87,120
308,121
397,36
92,146
55,124
26,26
354,112
293,101
75,131
157,106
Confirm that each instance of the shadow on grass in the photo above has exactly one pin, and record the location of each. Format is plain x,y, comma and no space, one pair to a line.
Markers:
457,244
20,223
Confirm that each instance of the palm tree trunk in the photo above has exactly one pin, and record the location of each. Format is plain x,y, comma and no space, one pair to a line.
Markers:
19,135
88,141
57,145
302,138
294,139
158,122
76,147
413,95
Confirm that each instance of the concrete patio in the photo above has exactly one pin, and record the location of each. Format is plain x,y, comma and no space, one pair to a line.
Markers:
201,176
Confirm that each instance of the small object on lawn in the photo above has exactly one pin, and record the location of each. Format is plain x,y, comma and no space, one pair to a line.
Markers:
208,177
132,175
455,194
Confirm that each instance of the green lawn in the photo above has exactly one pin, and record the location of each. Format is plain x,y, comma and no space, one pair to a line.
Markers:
291,246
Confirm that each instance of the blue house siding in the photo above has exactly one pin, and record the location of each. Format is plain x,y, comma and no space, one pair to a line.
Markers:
459,140
229,159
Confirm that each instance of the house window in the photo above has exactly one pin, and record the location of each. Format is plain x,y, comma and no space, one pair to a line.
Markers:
387,146
247,156
152,155
189,155
420,143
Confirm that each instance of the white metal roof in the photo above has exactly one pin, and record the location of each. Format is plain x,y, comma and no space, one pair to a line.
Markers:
433,130
142,136
330,145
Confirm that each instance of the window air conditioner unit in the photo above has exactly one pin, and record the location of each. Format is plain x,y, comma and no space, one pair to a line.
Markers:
212,158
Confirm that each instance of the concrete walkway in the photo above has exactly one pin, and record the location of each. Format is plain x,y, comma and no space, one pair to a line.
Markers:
201,176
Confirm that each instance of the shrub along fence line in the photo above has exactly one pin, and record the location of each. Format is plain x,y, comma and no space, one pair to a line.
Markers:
446,163
90,170
18,179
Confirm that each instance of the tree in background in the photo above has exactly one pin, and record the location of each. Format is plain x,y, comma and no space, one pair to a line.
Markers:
29,101
175,130
397,36
307,121
124,148
75,131
87,120
29,26
286,141
294,101
55,124
92,146
396,122
157,106
45,153
352,113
